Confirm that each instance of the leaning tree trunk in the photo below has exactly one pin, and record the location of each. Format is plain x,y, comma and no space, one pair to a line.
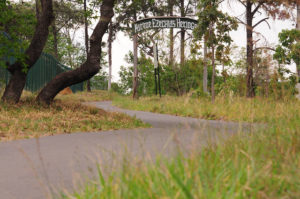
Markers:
249,28
14,89
90,67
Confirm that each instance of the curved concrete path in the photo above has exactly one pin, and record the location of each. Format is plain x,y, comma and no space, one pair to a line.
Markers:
39,168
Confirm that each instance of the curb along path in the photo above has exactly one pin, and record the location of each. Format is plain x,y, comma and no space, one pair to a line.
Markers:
37,168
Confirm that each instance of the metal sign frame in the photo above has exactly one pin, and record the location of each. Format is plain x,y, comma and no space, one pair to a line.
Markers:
157,23
164,22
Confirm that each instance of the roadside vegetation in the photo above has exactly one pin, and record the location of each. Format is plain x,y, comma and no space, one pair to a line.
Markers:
228,109
264,164
28,119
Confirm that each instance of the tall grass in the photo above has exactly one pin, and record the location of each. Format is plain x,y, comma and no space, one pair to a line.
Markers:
228,109
265,164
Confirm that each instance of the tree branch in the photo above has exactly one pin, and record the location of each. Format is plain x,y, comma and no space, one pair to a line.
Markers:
242,3
257,7
240,21
264,47
263,20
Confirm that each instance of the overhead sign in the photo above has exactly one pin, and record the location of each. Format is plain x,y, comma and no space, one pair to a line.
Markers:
164,22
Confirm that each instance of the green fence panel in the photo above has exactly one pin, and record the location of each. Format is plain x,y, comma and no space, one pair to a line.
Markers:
43,71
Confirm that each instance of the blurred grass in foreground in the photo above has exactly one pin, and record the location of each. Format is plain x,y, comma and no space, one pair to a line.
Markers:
262,165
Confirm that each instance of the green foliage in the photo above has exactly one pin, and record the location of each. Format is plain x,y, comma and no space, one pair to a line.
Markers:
174,80
17,25
214,26
99,81
289,48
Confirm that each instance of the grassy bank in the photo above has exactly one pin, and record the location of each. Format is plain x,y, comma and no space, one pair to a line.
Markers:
95,95
232,109
66,115
264,165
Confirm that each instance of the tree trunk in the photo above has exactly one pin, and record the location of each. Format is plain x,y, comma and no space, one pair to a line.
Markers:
171,59
90,67
205,68
86,38
298,28
13,90
182,47
135,64
249,28
55,41
110,40
135,68
213,74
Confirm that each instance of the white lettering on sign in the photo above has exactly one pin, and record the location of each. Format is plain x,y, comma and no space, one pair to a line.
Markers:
142,26
185,24
165,23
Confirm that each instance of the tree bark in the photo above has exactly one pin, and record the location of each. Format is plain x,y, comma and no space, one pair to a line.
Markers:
135,68
171,58
213,74
135,64
205,68
86,38
55,41
298,28
90,67
110,40
14,89
249,28
182,47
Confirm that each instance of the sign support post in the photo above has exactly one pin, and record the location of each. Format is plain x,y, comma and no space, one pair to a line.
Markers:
156,69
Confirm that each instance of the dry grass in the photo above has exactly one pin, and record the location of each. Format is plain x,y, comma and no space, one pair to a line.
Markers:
29,119
95,95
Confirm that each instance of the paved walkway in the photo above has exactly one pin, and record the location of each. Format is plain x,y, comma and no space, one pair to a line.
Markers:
37,168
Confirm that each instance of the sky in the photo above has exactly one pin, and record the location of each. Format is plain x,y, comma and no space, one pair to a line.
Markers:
122,45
